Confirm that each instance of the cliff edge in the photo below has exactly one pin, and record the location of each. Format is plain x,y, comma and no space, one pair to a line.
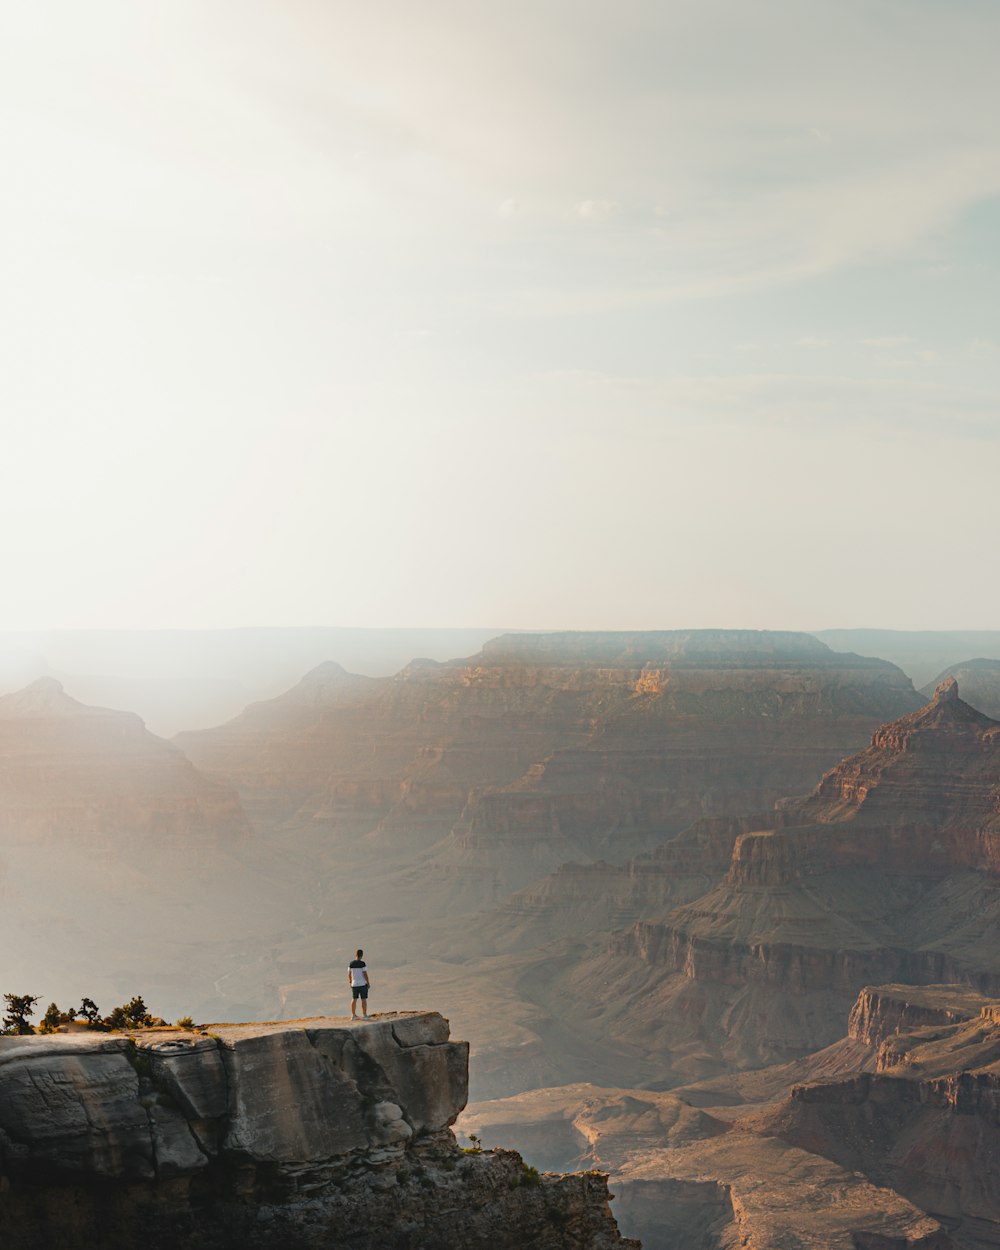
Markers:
304,1133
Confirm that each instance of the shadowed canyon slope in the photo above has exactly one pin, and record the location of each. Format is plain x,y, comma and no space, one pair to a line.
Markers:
744,942
885,1138
547,748
888,871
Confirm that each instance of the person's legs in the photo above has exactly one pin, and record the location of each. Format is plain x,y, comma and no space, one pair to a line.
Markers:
354,1003
364,1004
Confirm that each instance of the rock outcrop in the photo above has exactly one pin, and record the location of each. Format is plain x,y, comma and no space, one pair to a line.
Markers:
926,1121
979,681
313,1133
88,775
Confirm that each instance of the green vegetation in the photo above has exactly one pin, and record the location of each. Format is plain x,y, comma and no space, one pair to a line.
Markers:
529,1175
53,1018
19,1008
131,1015
185,1022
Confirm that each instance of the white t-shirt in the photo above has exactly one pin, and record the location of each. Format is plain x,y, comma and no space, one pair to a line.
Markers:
358,974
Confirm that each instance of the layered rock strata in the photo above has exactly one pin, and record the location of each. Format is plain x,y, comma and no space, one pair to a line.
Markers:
888,872
885,1138
926,1120
549,748
311,1133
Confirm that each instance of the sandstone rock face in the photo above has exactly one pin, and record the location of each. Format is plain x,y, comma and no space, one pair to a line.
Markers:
685,1177
927,1122
313,1133
548,748
884,1011
886,1138
72,1103
888,872
741,1190
68,771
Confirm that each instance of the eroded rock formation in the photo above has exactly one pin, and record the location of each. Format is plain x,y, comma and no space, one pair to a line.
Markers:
885,1138
548,748
310,1133
889,871
979,681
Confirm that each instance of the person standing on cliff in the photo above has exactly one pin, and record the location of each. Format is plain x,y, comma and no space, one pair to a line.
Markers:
358,980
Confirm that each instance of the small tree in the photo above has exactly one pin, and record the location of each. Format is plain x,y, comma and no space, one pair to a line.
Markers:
89,1010
19,1008
132,1015
53,1018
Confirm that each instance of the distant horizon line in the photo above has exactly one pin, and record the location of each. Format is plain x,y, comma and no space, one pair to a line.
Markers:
494,629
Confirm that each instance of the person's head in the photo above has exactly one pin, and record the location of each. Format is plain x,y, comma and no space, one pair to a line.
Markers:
360,952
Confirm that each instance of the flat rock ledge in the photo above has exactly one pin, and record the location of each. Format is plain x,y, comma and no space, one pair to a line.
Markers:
303,1133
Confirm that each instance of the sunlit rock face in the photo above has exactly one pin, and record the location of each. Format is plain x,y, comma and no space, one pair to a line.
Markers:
885,1138
926,1121
888,872
548,748
307,1133
72,773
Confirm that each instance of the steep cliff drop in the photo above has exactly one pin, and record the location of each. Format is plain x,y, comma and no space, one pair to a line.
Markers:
885,1139
310,1133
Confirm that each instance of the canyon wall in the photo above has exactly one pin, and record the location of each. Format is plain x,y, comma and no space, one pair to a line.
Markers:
544,749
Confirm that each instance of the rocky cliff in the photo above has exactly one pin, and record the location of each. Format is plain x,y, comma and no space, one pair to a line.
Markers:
313,1133
887,872
548,748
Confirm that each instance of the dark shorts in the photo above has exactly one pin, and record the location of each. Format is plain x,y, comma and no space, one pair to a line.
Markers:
359,991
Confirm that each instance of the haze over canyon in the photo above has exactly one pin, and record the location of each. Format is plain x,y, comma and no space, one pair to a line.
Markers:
707,904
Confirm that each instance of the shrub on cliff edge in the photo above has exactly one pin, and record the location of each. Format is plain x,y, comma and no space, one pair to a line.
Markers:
19,1008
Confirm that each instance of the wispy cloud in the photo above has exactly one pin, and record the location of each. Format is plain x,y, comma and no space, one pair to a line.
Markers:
595,210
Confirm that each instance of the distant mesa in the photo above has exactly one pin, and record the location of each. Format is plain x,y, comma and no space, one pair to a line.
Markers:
637,648
548,747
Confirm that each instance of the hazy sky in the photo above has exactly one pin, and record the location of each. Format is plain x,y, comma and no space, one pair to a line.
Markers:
542,313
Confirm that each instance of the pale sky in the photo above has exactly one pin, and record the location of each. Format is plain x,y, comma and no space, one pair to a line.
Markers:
548,313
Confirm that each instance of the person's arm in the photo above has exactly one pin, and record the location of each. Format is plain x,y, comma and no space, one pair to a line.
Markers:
368,980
